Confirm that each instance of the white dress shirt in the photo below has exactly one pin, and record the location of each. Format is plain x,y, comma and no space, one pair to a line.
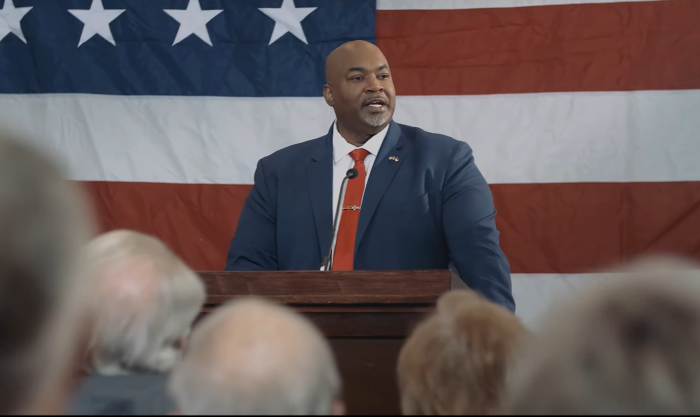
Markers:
342,161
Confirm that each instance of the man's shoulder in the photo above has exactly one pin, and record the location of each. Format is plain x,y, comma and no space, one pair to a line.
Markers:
124,394
429,141
125,380
132,384
296,151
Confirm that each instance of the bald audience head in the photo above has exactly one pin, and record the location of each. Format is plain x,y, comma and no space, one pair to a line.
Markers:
360,90
43,223
144,303
256,357
455,361
629,346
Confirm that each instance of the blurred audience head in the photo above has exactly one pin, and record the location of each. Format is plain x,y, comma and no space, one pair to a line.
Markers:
256,357
628,346
455,361
44,221
144,304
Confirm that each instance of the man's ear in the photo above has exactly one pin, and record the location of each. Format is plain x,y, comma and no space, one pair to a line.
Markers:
328,94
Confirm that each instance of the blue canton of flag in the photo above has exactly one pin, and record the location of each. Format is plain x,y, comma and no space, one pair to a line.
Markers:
246,48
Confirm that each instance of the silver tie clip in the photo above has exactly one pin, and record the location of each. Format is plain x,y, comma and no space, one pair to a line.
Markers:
351,208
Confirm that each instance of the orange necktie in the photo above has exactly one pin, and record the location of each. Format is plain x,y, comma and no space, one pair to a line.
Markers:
344,251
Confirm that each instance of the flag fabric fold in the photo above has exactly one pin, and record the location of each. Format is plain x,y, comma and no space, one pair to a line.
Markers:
582,114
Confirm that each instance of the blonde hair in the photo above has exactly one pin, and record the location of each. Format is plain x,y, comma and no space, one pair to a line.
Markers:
145,301
455,361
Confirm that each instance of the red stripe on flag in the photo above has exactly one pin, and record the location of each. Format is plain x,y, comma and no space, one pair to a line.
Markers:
196,220
562,48
545,228
576,227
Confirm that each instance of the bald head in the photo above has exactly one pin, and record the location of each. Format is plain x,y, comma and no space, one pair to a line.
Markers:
256,357
360,90
342,58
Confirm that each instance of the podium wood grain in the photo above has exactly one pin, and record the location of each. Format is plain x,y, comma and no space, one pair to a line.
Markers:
366,315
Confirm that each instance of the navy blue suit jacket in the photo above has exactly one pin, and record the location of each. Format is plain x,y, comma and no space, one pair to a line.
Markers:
430,210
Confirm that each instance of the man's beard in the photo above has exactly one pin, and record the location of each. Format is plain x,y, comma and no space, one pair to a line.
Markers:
376,120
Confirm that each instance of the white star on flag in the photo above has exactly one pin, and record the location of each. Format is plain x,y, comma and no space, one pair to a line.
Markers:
193,21
10,18
96,21
288,19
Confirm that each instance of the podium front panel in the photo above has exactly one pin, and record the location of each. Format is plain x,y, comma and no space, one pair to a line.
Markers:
366,316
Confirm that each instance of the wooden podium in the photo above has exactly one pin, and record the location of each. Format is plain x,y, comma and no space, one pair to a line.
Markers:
366,316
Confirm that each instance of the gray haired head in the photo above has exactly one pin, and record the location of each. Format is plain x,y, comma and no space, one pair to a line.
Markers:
256,357
144,303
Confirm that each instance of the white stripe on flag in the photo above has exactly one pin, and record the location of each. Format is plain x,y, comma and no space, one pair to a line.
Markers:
518,138
484,4
537,294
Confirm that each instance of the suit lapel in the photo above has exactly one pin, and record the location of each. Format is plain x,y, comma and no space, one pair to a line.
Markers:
319,172
381,175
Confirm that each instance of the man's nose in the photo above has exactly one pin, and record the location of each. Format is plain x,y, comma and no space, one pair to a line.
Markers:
374,85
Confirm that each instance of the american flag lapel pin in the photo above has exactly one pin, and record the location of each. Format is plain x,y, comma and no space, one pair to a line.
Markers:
394,158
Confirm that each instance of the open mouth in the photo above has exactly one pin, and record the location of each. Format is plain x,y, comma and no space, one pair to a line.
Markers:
376,103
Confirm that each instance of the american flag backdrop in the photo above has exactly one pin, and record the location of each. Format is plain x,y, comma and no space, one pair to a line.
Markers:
584,116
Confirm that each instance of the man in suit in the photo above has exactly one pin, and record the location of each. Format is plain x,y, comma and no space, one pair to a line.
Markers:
418,202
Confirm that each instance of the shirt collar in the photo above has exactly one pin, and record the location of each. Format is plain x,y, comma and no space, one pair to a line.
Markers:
342,147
